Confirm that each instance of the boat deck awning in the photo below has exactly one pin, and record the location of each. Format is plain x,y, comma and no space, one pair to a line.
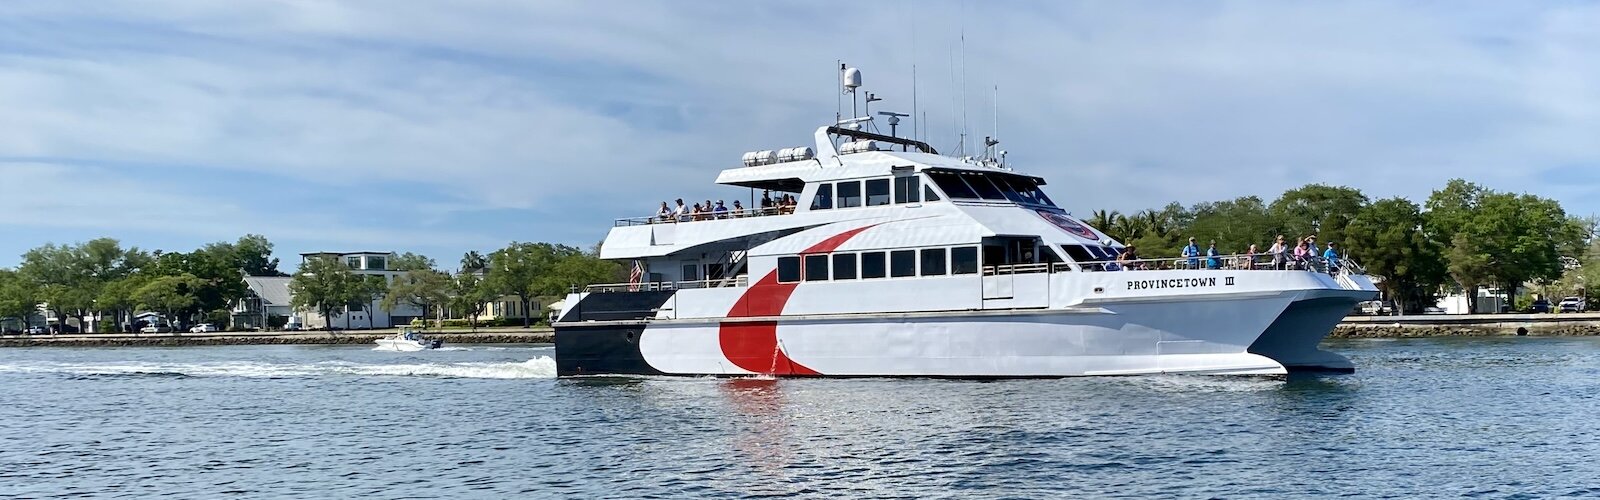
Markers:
787,177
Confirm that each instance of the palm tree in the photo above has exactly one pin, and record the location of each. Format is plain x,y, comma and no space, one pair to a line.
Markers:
1102,219
472,262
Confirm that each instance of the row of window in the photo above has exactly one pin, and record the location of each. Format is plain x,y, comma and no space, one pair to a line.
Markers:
871,192
883,264
981,186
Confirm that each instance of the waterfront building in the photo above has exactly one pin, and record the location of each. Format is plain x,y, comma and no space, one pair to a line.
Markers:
373,266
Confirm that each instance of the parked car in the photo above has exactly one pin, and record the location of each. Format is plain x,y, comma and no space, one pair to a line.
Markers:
203,328
1573,304
1539,306
156,329
1377,307
1433,310
37,330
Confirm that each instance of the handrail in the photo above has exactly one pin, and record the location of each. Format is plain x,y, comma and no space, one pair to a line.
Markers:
656,286
704,216
1231,261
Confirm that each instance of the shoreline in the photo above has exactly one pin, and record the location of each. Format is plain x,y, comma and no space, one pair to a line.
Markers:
535,335
1353,327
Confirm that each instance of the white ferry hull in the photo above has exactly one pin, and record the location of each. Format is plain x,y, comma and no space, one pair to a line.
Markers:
1265,335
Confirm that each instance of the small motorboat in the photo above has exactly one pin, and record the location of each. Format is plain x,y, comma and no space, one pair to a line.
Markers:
407,340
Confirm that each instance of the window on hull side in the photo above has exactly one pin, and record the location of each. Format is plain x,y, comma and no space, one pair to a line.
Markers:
849,194
788,269
844,266
902,263
824,198
816,268
933,262
874,265
877,192
964,260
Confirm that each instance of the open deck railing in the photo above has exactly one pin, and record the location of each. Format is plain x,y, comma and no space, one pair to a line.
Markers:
704,216
655,286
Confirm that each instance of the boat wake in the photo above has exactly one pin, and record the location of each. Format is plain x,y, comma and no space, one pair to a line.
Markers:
539,367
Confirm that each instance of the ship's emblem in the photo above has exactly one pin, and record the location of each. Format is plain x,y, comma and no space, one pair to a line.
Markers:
1069,225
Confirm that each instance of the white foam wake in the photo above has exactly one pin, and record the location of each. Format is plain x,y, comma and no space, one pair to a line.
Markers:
539,367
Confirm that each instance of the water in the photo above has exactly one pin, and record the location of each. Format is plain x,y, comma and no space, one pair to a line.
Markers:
1492,417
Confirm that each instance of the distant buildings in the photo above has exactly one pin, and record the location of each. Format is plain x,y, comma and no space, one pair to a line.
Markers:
374,265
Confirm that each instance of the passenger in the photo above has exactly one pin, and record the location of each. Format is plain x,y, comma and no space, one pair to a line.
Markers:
664,214
1249,260
721,211
738,210
1129,258
697,213
1212,260
1332,256
681,213
1280,254
1192,252
1301,254
766,202
1312,252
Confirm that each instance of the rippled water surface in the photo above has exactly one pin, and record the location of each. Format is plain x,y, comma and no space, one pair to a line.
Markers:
1482,417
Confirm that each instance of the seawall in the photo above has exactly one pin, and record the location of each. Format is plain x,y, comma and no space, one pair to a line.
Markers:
1469,325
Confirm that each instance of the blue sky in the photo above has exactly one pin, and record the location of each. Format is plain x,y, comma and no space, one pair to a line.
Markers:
441,127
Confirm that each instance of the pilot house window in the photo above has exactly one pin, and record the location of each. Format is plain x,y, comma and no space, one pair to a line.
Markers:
824,198
877,192
849,194
906,189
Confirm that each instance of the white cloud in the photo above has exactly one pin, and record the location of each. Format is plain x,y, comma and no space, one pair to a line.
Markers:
595,109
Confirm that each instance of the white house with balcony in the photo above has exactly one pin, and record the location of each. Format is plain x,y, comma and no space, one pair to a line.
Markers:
372,265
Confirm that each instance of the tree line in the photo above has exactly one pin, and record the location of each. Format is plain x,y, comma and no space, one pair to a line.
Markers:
1464,236
101,278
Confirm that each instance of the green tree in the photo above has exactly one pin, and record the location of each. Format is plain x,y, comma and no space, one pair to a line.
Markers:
473,262
468,294
425,289
19,298
1317,209
173,296
410,262
1388,238
1234,224
117,298
1469,265
525,270
324,285
69,277
216,266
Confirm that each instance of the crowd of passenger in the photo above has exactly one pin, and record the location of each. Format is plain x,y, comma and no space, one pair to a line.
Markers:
1304,255
783,204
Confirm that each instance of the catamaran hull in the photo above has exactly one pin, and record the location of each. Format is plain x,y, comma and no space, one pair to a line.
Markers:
1265,335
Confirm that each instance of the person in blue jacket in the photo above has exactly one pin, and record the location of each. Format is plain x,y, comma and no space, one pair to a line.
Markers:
1332,256
1212,260
1193,253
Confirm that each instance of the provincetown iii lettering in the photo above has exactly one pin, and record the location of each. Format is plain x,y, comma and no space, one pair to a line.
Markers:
1174,283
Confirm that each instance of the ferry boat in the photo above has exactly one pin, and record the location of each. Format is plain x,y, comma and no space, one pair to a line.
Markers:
900,261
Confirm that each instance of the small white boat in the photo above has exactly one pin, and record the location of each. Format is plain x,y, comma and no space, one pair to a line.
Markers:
407,340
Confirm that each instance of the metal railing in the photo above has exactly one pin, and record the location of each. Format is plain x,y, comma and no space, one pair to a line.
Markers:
705,216
657,286
1257,262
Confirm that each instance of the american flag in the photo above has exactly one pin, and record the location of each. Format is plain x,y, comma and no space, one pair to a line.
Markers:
636,276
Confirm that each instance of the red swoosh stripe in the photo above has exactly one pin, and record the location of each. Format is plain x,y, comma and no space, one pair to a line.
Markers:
754,346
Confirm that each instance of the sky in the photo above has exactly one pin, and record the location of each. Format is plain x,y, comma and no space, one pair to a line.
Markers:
441,127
